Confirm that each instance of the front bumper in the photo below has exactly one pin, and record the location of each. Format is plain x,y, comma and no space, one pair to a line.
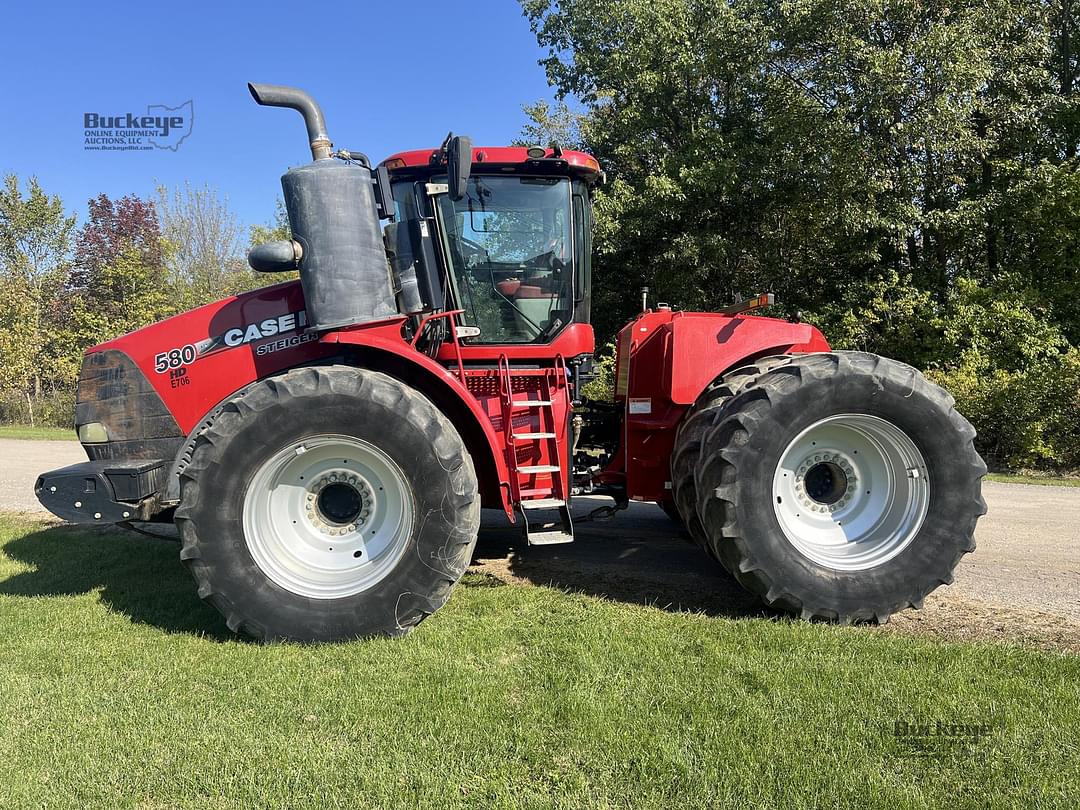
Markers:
103,491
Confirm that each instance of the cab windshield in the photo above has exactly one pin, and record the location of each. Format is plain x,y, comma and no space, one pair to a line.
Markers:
509,245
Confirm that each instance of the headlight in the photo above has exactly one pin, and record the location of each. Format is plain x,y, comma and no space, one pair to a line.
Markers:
93,433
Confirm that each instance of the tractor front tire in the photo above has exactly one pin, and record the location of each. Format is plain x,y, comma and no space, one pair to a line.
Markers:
327,504
840,486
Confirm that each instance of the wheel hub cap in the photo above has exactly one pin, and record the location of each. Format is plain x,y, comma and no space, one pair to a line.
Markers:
339,501
851,491
827,482
328,517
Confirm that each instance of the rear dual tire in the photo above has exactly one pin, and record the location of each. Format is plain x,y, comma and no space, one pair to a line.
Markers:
327,504
778,456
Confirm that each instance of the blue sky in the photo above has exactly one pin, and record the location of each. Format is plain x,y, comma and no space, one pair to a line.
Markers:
389,76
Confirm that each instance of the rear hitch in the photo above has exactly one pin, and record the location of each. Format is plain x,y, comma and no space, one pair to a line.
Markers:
603,513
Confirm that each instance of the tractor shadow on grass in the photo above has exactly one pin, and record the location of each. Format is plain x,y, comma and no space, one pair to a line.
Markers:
639,557
137,576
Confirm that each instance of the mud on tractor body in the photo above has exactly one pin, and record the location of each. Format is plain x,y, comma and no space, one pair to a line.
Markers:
325,445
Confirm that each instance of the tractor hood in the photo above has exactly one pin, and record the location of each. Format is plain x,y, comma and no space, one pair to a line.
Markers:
179,369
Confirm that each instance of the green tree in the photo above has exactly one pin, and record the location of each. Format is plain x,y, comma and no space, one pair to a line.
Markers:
204,242
792,146
276,230
35,233
20,324
119,280
903,172
203,239
35,241
550,124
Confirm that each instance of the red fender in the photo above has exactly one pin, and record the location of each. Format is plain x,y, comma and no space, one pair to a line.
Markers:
665,360
445,389
198,359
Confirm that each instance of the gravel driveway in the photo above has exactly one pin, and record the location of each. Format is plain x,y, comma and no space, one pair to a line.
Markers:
22,461
1022,581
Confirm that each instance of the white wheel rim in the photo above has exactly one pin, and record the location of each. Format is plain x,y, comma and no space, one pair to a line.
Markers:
851,492
328,517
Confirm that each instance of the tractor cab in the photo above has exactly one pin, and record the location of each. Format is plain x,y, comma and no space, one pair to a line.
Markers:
501,234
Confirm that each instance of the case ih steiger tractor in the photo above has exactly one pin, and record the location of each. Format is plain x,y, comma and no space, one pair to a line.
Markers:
325,445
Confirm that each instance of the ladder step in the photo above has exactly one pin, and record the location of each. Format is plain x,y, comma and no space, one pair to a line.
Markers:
542,492
549,538
538,468
534,435
543,503
529,403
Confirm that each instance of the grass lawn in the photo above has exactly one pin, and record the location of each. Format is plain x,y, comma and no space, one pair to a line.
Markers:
119,688
1040,480
27,432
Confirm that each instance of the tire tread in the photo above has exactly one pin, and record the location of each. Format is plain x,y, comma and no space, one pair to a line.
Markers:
733,418
312,382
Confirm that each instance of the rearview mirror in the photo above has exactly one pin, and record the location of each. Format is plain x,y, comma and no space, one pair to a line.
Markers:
458,165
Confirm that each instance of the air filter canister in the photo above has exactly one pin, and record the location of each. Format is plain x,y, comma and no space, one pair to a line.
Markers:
344,272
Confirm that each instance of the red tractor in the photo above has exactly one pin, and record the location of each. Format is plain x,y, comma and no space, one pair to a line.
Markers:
325,445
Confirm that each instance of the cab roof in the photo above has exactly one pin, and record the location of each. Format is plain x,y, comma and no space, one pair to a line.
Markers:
510,159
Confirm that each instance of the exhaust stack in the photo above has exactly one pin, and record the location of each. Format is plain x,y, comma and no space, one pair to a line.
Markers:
337,240
276,95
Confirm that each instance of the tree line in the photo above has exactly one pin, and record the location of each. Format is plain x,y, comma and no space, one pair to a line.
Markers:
903,173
